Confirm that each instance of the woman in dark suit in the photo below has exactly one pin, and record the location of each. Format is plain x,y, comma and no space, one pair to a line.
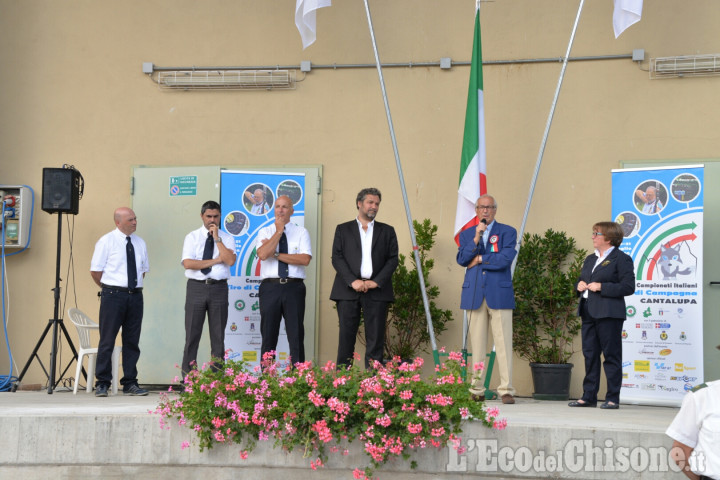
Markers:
607,277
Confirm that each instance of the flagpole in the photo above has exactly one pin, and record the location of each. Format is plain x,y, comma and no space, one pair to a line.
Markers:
421,277
545,135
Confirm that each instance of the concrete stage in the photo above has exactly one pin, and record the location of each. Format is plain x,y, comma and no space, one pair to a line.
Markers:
66,436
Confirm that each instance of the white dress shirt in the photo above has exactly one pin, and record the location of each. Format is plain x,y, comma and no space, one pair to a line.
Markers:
298,240
194,247
366,269
110,258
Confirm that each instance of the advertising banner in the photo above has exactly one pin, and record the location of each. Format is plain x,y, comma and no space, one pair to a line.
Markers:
661,213
247,200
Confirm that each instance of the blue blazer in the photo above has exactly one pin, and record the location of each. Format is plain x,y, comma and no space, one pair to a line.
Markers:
491,280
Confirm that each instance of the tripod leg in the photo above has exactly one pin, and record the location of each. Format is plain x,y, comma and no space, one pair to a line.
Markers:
34,353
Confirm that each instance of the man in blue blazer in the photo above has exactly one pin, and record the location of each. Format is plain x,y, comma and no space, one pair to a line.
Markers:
364,255
487,251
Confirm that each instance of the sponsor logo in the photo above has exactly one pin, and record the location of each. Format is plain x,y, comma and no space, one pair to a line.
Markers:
687,387
660,376
233,327
626,364
665,388
684,378
625,375
665,352
644,335
647,312
630,311
642,366
240,305
660,366
630,385
663,326
679,367
641,376
663,336
683,337
648,386
645,351
624,334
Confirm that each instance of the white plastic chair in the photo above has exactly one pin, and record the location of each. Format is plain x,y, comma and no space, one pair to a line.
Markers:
84,326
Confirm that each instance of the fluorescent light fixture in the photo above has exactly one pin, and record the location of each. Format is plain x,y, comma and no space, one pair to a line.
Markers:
226,79
685,66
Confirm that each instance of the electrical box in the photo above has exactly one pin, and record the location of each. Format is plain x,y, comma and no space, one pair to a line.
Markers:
18,208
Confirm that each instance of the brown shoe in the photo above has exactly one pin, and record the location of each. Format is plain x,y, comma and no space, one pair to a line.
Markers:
508,399
477,398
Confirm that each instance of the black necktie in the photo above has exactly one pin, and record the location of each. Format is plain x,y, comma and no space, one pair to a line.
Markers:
283,270
208,252
131,267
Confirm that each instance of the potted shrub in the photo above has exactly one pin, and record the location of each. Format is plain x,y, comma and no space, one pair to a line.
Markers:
545,321
406,333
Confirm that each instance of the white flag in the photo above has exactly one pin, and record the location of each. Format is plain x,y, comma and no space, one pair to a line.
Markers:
626,13
305,19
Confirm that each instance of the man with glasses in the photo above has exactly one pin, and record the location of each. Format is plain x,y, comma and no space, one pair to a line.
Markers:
487,251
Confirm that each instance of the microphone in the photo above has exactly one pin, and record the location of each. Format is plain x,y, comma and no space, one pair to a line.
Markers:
483,221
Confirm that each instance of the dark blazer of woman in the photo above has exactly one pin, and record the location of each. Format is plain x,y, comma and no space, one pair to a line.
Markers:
616,273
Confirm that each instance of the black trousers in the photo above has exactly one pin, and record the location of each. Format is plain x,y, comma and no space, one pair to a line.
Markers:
278,301
374,317
202,299
124,310
601,335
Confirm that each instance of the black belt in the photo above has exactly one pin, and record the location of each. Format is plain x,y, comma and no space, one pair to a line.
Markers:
208,281
122,289
281,280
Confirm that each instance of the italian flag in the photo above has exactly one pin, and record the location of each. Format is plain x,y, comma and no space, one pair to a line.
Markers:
472,162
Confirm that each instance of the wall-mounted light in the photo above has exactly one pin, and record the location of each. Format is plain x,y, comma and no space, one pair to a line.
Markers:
685,66
218,79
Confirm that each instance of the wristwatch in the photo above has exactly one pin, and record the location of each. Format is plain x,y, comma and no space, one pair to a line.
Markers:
276,254
218,240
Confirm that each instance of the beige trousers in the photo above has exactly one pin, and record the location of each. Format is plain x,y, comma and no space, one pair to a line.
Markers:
500,321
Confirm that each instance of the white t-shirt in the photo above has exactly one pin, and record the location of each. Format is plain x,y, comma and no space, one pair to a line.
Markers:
697,425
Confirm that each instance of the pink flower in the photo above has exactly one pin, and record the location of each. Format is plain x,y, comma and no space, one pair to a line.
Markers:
414,428
184,445
500,424
244,454
479,367
406,394
492,412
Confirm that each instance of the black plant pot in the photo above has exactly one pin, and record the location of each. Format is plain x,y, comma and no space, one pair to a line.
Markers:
551,381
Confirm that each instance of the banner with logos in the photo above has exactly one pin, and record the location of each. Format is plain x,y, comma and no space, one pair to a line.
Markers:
247,200
661,213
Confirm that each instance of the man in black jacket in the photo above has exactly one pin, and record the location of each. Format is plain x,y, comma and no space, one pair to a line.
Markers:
364,255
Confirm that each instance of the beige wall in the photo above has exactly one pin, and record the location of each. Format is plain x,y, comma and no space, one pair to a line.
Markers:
72,92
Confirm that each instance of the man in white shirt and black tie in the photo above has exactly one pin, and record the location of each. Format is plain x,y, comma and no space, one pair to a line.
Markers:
118,266
207,255
284,249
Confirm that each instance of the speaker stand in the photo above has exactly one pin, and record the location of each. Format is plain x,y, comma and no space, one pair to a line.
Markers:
55,323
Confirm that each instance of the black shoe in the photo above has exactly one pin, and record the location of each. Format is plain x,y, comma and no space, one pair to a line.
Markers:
609,406
582,404
101,391
134,390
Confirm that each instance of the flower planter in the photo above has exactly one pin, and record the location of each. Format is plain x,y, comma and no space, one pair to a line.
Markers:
551,381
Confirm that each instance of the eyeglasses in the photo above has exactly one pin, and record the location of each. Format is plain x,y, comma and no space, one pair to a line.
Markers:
597,234
485,207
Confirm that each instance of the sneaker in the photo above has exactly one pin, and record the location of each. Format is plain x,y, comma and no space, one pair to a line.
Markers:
101,391
133,390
